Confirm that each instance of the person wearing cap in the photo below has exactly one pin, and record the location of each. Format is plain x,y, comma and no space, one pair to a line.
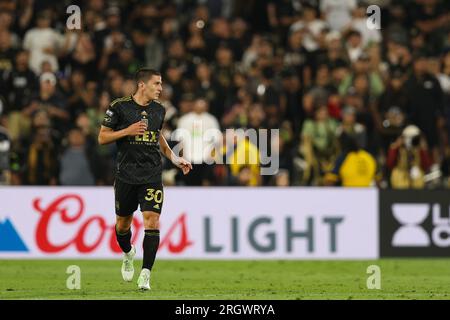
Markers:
50,100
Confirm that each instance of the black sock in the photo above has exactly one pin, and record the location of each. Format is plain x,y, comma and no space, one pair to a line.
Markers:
151,244
124,240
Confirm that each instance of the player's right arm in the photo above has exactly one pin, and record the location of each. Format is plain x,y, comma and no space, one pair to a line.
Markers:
108,135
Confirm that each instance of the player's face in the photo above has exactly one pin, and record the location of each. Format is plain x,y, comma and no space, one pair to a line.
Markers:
153,88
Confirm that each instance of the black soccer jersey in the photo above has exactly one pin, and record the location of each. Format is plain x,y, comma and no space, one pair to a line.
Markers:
138,157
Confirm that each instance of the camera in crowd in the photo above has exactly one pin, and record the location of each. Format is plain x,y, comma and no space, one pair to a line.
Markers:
411,136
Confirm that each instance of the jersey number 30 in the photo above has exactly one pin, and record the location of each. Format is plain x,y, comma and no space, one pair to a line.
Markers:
157,196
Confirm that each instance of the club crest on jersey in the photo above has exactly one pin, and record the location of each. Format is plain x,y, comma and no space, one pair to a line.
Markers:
144,117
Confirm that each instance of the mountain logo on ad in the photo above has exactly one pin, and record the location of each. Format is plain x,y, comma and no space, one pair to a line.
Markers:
9,238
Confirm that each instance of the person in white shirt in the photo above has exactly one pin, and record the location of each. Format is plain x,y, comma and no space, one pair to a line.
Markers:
312,27
337,12
43,42
198,131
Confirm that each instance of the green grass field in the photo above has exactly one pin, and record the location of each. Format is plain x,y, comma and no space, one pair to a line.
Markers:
101,279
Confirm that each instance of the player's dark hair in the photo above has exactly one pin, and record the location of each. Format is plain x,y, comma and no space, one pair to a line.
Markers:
144,74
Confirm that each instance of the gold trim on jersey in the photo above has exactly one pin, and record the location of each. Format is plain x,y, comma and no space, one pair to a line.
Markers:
127,98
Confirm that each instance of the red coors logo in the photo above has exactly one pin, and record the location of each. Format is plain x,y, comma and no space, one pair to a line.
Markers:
57,210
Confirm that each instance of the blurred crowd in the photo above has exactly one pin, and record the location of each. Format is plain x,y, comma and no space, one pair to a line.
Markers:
351,103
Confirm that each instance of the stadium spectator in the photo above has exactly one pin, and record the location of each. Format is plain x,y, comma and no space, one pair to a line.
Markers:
409,160
209,88
354,167
52,101
354,45
105,153
82,55
224,67
337,12
20,85
43,42
7,53
196,44
292,93
242,155
361,66
40,167
237,115
349,126
78,164
296,56
198,132
5,148
312,27
270,97
426,103
318,145
7,24
320,92
392,109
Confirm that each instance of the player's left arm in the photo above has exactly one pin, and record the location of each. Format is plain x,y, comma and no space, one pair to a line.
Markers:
180,162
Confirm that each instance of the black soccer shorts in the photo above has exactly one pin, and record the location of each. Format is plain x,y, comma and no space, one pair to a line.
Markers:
128,196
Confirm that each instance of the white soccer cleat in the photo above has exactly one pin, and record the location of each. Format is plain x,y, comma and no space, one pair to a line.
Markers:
144,280
127,264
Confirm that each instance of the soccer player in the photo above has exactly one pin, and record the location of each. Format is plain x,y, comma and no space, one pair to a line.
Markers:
135,123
